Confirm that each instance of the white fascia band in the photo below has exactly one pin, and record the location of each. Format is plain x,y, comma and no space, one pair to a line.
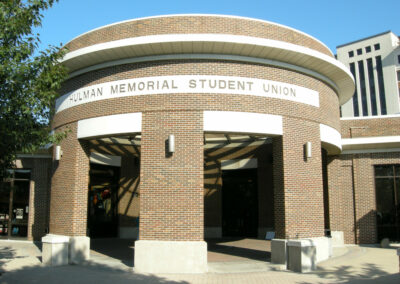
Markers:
331,136
242,122
216,43
371,143
118,124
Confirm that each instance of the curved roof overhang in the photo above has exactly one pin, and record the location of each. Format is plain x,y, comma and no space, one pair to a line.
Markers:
339,77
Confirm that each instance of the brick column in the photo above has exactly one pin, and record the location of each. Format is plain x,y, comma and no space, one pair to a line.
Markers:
341,199
69,187
298,197
171,194
298,187
38,198
69,195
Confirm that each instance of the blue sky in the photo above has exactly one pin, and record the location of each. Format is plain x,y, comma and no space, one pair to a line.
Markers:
332,22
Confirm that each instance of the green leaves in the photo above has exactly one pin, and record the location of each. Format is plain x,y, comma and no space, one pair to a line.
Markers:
29,80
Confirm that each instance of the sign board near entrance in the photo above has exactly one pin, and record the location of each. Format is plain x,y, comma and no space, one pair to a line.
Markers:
188,84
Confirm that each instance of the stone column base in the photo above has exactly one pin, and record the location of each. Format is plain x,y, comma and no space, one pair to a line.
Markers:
55,250
302,256
337,238
398,253
278,251
170,256
79,249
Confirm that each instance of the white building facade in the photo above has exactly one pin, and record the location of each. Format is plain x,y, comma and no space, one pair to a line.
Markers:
375,65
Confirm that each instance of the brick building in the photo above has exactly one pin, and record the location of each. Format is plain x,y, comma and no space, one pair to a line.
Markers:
187,127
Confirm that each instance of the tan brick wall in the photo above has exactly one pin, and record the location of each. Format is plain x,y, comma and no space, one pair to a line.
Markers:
171,190
196,25
298,198
69,188
342,192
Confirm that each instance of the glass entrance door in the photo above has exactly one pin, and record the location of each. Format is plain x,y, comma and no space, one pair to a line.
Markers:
14,204
239,203
387,185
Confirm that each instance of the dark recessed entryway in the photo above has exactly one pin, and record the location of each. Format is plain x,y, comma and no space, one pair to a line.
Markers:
103,201
239,203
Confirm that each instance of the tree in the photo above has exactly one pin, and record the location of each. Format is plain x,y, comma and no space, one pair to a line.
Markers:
29,80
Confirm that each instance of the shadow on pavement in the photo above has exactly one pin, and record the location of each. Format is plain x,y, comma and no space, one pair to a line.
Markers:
241,252
246,248
7,254
120,249
370,273
77,274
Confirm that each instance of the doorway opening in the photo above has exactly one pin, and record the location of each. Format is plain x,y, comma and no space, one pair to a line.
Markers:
103,201
239,203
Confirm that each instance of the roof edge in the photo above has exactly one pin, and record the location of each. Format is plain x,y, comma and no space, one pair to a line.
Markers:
204,15
362,39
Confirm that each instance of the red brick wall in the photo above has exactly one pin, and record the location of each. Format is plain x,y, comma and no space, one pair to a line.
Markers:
69,188
39,195
327,113
171,190
340,184
342,214
298,187
370,127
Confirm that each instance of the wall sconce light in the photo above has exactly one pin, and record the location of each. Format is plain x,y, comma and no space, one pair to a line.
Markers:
58,153
308,151
171,144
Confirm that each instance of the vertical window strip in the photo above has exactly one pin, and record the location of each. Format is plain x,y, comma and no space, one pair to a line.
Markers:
355,96
372,91
364,100
381,85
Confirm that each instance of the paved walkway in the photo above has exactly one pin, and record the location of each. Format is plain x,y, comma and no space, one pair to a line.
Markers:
20,263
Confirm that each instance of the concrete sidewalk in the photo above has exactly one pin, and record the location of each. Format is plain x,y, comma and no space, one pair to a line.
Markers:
20,263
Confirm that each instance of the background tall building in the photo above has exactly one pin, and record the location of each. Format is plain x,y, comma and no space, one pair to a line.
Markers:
375,65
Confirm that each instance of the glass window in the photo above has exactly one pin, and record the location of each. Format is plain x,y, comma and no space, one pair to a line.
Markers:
384,171
372,86
398,58
355,95
381,84
351,53
359,51
398,75
14,203
377,46
22,174
397,170
364,103
368,49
